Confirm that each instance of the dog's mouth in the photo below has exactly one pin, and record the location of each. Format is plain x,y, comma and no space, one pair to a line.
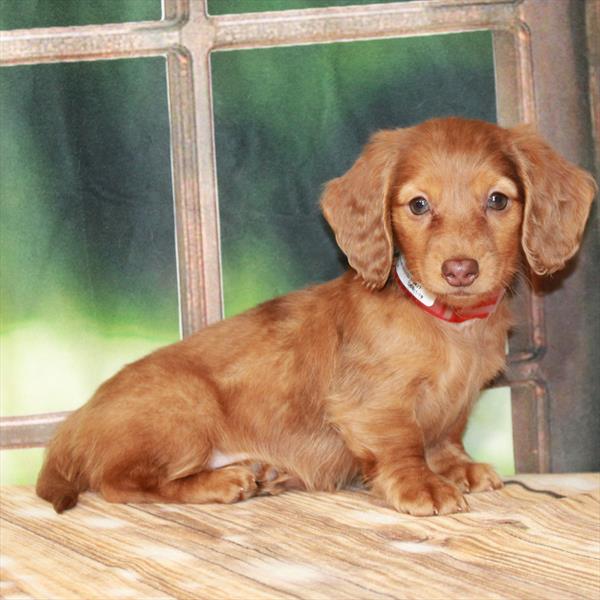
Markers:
461,294
469,298
462,298
481,289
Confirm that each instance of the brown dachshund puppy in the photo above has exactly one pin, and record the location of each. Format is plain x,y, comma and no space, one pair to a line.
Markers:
371,375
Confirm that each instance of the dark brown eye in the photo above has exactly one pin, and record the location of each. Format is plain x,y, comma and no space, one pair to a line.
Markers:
497,201
419,206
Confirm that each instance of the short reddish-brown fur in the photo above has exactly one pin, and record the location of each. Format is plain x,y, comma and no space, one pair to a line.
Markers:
348,379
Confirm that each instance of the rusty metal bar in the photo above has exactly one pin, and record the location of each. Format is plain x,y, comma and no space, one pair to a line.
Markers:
95,42
530,426
593,50
191,260
30,430
571,299
352,23
196,39
87,42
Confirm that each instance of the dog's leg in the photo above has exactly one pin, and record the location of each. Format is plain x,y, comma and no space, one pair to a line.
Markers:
404,479
450,460
272,481
173,464
226,485
389,442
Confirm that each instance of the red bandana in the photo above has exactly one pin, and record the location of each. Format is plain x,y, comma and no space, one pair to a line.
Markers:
429,303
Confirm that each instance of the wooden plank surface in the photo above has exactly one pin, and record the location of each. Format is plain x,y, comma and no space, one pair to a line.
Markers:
539,537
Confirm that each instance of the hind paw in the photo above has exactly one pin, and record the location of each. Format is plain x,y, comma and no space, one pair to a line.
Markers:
273,481
233,484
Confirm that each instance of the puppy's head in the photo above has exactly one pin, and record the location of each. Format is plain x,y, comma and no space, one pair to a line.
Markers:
458,198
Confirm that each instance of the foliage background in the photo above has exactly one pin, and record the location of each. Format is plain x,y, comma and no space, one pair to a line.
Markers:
87,249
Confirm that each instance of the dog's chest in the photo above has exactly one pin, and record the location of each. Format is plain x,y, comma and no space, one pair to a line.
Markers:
467,358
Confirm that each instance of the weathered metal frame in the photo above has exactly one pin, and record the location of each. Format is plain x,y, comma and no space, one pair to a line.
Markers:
186,36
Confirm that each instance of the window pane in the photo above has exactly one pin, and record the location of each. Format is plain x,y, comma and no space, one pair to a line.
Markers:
489,432
20,467
87,250
26,14
289,119
222,7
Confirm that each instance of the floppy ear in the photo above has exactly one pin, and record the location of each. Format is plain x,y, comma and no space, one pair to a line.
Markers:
357,209
558,196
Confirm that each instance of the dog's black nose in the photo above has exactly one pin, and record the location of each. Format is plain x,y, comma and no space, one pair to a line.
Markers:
460,272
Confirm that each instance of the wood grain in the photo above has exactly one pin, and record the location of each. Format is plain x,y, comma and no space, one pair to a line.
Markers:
541,542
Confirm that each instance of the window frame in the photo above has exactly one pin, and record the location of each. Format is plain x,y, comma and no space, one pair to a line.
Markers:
187,35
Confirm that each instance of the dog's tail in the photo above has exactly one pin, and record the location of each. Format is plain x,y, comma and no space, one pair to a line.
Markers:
56,488
60,481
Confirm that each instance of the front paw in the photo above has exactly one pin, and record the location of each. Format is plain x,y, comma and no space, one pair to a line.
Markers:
473,477
424,495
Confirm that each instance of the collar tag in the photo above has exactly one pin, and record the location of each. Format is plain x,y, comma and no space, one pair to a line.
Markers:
412,286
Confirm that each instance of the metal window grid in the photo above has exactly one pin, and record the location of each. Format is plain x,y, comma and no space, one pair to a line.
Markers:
187,35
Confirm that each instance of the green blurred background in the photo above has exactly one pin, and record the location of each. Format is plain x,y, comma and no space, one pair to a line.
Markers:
87,249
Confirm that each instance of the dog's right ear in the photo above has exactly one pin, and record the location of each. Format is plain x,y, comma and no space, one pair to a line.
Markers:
356,206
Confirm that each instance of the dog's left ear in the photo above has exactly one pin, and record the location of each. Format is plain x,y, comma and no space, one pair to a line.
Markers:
558,196
356,207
